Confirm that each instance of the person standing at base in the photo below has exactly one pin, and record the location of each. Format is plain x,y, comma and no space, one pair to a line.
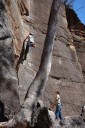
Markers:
57,102
58,112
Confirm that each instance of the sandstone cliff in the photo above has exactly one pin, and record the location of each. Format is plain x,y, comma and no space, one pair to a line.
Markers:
68,71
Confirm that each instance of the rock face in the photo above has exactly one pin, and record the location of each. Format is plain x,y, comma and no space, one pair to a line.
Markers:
68,71
78,34
9,95
24,6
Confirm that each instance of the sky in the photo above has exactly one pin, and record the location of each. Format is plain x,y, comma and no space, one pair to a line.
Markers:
79,7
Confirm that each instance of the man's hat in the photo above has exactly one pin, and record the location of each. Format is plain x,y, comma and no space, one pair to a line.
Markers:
57,91
30,33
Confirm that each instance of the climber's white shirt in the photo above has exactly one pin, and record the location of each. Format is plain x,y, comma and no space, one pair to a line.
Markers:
58,99
31,38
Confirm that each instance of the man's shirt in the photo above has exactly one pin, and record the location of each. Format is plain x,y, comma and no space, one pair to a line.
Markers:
31,38
58,99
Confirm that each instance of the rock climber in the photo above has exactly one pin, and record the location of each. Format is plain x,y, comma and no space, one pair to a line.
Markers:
29,42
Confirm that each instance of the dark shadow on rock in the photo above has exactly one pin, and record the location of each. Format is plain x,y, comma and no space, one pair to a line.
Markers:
3,118
5,37
43,120
20,60
2,7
